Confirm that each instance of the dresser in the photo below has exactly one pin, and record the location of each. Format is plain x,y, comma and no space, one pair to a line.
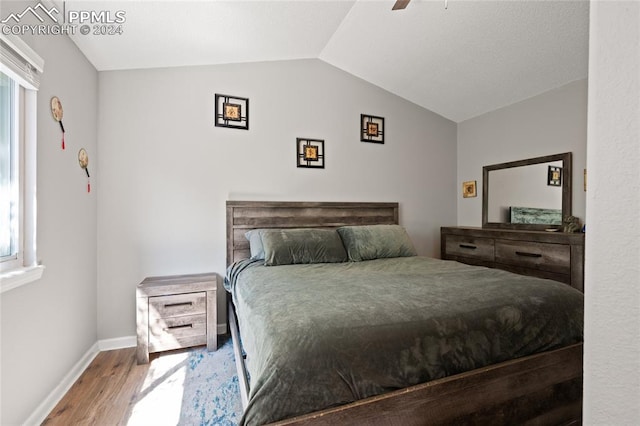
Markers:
555,255
175,312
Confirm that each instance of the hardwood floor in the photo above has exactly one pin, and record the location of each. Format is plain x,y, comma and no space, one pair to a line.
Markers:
105,393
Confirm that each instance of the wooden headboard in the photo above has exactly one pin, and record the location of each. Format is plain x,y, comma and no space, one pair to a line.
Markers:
243,216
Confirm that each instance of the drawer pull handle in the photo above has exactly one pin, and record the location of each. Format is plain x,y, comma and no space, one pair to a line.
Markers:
173,327
468,246
526,254
173,305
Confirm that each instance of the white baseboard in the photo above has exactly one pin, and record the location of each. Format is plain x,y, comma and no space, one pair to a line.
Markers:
50,402
117,343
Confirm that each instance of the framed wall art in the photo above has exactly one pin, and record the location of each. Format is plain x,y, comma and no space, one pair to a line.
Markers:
371,128
310,153
469,189
57,112
554,177
232,111
83,160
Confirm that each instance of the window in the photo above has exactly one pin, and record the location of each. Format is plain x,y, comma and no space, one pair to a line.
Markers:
20,69
9,175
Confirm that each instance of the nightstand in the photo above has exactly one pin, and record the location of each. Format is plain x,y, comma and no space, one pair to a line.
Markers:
175,312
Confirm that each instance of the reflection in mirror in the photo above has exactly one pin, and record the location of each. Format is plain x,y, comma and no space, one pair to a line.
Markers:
527,194
523,195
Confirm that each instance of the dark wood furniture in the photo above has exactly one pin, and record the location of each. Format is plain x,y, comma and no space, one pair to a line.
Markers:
544,388
566,159
175,312
555,255
243,216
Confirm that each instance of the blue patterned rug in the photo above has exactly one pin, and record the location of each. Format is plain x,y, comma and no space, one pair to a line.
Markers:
190,387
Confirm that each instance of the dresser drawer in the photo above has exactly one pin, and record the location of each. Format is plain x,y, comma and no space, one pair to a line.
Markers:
177,305
473,247
543,256
177,332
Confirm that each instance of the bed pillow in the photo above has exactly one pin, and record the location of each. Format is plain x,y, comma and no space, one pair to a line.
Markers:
376,241
292,246
255,243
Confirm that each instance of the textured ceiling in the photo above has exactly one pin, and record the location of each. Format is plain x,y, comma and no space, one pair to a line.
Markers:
460,62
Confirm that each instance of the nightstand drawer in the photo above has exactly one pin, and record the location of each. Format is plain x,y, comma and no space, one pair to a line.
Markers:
542,256
177,305
477,248
177,332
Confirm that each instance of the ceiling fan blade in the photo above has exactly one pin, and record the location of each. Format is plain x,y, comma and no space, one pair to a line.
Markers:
400,4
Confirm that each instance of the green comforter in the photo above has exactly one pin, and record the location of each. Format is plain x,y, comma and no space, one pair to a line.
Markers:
322,335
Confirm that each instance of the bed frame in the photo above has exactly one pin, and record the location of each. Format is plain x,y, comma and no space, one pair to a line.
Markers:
540,389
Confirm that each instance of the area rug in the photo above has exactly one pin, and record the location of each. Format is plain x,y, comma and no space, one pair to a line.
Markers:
190,387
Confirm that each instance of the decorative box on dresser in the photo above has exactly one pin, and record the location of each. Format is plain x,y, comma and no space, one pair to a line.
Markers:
555,255
176,312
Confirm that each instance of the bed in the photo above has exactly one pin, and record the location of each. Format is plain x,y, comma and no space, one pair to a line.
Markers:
292,323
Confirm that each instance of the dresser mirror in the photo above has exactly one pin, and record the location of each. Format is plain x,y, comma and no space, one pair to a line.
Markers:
527,194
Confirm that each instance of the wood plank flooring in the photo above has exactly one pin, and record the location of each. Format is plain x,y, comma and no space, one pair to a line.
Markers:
104,394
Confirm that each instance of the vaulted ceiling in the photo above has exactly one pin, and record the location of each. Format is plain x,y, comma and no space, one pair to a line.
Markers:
460,61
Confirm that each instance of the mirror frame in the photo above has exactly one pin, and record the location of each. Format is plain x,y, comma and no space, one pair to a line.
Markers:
566,190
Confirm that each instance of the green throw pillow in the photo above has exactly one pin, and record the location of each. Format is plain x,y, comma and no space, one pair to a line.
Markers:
376,241
302,245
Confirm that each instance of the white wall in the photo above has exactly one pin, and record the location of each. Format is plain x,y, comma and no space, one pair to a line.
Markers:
612,272
166,170
48,325
551,123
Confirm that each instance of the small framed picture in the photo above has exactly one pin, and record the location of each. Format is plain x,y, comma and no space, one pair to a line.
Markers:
310,153
371,128
232,111
585,180
554,177
469,189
